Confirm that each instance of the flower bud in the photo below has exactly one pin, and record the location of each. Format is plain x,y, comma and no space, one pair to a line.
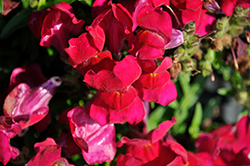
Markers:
175,70
241,12
222,26
206,68
210,56
190,27
241,96
180,53
188,64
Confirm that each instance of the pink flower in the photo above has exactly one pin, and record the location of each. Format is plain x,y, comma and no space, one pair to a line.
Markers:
8,130
187,11
53,26
228,144
154,84
6,150
31,75
200,159
147,45
28,106
227,6
155,30
151,149
48,153
68,145
117,100
96,142
92,56
117,24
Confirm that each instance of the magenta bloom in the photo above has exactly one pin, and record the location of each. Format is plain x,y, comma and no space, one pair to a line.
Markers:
28,106
200,159
117,100
117,24
48,153
96,142
6,150
151,149
29,74
154,84
8,129
53,26
92,57
68,145
228,144
155,30
187,11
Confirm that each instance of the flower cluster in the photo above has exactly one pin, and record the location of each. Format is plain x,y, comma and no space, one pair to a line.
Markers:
24,106
124,56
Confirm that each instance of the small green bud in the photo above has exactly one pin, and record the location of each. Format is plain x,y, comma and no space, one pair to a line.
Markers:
210,56
241,96
222,26
33,3
238,11
190,27
235,30
243,21
219,26
180,53
246,11
188,64
192,50
206,68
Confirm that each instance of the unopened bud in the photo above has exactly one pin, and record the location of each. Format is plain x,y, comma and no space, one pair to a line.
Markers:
188,64
206,68
210,56
241,96
180,53
175,70
190,27
222,26
238,11
198,54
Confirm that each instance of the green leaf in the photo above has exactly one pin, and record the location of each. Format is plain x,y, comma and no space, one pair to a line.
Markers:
223,91
1,6
208,109
194,129
244,112
41,3
184,80
25,3
174,105
189,98
17,22
155,118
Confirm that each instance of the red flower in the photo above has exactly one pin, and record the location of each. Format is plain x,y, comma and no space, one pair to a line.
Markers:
6,150
191,10
85,52
28,106
151,149
96,142
199,159
117,100
53,26
155,30
228,144
154,84
8,129
48,153
117,24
